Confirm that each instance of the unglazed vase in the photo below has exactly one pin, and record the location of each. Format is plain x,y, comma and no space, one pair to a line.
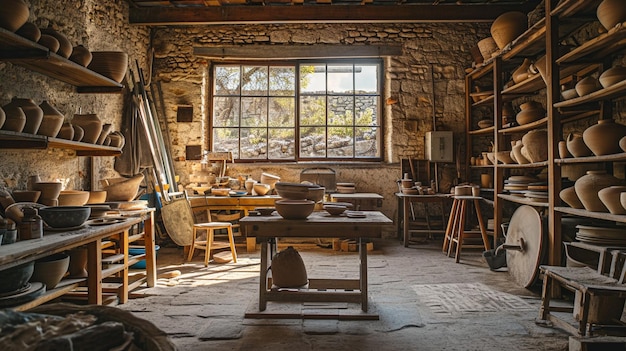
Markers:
52,120
588,186
530,112
611,12
568,195
603,138
610,197
517,153
34,114
576,146
15,118
507,27
13,14
91,125
563,151
535,147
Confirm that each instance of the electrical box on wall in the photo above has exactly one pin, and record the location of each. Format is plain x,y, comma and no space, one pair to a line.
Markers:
440,146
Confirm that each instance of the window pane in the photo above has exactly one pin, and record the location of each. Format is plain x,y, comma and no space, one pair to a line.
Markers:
313,110
366,79
340,142
340,110
226,139
366,111
254,80
227,80
282,143
253,111
282,112
340,79
313,142
367,142
282,81
313,79
225,111
253,143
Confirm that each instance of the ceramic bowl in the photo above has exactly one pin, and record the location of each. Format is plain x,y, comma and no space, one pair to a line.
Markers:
265,211
73,197
293,191
97,197
65,216
49,190
111,64
587,86
50,270
316,194
335,210
485,123
294,209
16,277
505,157
220,191
261,189
612,76
26,195
123,189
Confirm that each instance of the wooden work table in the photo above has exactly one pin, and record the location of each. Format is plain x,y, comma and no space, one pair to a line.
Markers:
405,202
317,225
92,237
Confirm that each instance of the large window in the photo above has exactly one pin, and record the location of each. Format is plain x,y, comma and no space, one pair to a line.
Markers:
297,111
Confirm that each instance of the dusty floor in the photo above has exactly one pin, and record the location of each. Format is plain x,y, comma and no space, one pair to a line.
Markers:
425,302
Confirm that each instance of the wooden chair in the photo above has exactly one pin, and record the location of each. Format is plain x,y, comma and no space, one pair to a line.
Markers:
208,242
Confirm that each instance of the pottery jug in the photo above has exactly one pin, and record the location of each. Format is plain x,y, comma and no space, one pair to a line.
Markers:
29,31
563,152
66,132
576,146
288,270
568,195
603,138
106,130
517,153
610,197
521,73
81,55
508,26
15,119
13,14
530,111
535,147
91,125
611,12
34,114
65,46
588,186
52,120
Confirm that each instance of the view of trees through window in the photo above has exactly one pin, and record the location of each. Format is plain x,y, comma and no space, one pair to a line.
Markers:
297,111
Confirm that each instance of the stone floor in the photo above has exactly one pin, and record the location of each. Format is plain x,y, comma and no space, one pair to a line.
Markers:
424,301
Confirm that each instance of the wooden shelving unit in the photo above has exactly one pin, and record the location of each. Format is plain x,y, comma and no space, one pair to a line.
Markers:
14,140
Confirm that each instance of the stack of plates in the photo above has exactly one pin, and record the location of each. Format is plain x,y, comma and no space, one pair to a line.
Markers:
346,188
611,236
540,196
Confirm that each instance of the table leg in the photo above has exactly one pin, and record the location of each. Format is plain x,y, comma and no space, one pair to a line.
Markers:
405,224
94,272
263,275
149,242
363,273
481,225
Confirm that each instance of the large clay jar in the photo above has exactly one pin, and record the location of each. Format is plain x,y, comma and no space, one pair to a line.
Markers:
535,147
288,270
576,146
611,12
15,118
521,73
610,197
29,31
588,186
530,111
507,27
568,195
34,114
66,132
91,125
603,138
65,46
517,153
13,14
52,120
81,55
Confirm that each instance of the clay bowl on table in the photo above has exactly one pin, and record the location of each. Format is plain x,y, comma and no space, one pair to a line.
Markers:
265,211
16,278
268,178
50,270
111,64
26,195
261,189
97,197
73,197
65,216
294,209
335,210
505,157
123,189
49,190
316,194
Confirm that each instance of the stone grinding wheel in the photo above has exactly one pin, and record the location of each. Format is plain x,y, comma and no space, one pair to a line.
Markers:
525,245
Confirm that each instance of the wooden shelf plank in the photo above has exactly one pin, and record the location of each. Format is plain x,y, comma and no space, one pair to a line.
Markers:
15,140
614,91
525,127
522,200
592,159
486,131
526,165
62,288
530,85
597,48
597,215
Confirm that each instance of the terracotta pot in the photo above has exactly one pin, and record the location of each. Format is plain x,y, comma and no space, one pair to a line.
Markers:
568,195
73,197
52,120
505,157
29,31
604,137
611,12
13,14
91,124
81,55
294,209
612,76
576,146
3,117
49,190
587,85
117,139
65,46
34,114
517,152
588,186
15,119
78,263
530,111
79,133
106,129
66,132
522,72
111,64
288,270
563,152
507,27
50,42
535,147
50,270
610,197
487,47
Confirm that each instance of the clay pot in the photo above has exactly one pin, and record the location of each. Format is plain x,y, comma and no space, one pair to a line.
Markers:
79,133
34,114
271,179
530,111
563,151
487,47
29,31
26,195
50,42
97,197
78,263
65,46
260,188
587,85
3,118
111,64
288,270
588,186
15,278
66,132
568,195
622,144
535,147
294,209
603,138
117,139
568,94
610,197
106,129
81,55
612,76
576,146
517,153
505,157
73,197
50,270
52,120
15,119
13,14
507,27
49,190
91,124
611,12
522,72
123,189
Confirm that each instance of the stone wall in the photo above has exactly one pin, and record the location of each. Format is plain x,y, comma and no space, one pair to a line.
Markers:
99,26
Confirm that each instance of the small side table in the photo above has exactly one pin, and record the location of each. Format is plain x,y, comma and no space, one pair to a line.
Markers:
406,201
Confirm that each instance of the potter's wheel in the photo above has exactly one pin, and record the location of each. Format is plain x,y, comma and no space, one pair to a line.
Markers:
524,245
23,295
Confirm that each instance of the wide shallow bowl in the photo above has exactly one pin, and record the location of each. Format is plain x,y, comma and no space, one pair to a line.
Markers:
123,189
261,189
49,190
97,196
335,210
73,197
569,94
15,278
111,64
485,123
51,269
65,216
294,209
26,195
265,211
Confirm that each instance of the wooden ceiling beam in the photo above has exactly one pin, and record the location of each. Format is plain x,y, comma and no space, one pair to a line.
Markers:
318,14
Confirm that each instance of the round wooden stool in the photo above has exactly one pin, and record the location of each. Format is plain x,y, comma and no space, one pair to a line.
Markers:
455,236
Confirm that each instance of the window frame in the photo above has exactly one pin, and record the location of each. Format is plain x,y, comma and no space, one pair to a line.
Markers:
296,64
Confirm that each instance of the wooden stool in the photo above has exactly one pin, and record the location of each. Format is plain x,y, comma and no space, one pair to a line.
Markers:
209,243
455,230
